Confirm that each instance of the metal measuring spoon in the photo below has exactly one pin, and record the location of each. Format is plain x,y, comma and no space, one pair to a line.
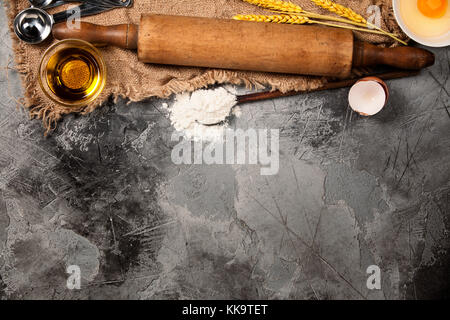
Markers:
46,4
34,25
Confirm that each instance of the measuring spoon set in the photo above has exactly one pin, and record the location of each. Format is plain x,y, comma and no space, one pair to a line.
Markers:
34,25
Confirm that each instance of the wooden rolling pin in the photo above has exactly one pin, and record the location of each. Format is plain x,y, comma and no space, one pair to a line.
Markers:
243,45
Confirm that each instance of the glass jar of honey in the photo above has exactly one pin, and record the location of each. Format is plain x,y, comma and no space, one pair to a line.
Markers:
72,73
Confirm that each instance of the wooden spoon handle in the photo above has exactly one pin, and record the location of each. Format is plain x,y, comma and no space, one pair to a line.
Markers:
407,58
123,35
265,95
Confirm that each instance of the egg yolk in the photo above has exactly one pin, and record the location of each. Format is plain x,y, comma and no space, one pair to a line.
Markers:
432,8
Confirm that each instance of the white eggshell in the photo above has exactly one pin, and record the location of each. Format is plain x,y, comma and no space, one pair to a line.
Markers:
367,97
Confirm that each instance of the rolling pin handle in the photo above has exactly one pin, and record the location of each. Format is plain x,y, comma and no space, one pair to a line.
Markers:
124,35
408,58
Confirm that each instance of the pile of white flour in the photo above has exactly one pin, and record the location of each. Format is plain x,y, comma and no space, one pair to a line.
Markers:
202,106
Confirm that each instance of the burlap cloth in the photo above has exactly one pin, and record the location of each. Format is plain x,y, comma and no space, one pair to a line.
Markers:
131,79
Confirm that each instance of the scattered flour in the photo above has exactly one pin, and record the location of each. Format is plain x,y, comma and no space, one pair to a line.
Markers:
202,106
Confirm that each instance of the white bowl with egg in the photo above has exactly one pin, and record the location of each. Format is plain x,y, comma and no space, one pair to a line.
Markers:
425,21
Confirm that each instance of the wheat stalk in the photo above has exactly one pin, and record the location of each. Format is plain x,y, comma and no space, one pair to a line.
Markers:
290,19
286,7
283,6
351,15
340,10
323,17
294,19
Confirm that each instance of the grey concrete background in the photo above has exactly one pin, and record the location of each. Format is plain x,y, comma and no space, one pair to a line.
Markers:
101,192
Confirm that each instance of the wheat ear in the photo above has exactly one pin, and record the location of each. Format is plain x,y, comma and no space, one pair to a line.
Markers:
351,15
286,7
295,19
340,10
275,18
323,17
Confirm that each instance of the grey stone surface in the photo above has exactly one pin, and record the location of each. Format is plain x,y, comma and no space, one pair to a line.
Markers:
102,192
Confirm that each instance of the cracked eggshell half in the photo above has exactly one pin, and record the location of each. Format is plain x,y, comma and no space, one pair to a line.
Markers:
368,96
